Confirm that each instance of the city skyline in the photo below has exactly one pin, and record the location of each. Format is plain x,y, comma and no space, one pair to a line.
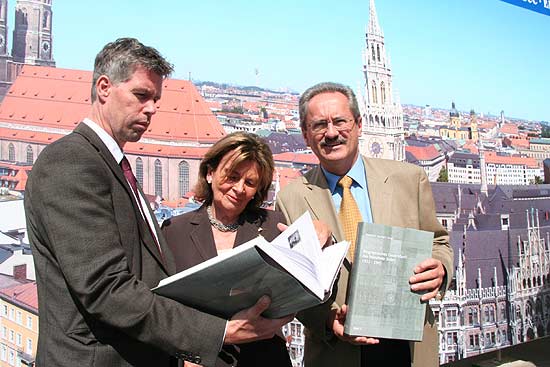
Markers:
487,56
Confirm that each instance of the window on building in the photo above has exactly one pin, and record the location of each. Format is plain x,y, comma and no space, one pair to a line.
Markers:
444,222
19,340
374,94
12,336
11,152
139,171
4,332
29,322
486,311
28,348
5,310
30,155
452,338
3,352
158,178
11,357
451,317
19,317
491,313
12,313
183,178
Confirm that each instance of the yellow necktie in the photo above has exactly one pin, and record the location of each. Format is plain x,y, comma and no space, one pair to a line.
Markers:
349,213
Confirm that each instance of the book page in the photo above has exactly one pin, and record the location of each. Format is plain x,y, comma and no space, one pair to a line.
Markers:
331,260
301,237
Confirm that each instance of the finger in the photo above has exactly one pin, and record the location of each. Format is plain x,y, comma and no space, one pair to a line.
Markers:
281,227
430,263
428,296
260,306
426,286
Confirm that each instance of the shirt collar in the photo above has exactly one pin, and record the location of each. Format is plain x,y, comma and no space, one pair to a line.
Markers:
357,173
107,139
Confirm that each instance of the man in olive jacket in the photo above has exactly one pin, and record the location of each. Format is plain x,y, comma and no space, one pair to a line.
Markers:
387,192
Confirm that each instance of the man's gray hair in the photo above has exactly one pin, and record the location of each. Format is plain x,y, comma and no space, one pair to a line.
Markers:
327,87
118,60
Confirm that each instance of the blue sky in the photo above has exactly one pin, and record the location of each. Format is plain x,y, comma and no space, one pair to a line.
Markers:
483,54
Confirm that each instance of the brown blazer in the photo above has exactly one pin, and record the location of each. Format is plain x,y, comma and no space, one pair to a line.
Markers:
400,195
96,262
191,240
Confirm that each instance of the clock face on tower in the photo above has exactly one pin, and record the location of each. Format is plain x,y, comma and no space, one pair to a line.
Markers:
376,148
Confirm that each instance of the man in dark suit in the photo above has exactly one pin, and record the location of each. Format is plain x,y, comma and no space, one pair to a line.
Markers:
97,247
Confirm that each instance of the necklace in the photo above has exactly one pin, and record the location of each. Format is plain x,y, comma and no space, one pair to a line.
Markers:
219,225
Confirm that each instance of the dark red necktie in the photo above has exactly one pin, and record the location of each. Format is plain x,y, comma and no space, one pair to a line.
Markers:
125,165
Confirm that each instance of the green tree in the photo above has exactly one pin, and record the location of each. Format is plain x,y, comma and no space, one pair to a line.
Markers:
443,175
538,180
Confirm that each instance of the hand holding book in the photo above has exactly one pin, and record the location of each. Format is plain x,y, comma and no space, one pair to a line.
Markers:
337,320
428,277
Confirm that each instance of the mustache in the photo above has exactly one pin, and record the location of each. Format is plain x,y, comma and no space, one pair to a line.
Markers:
337,140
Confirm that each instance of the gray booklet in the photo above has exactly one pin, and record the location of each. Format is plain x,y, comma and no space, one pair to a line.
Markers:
292,270
381,303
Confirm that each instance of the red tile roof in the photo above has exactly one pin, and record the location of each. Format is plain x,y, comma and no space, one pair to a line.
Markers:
510,129
426,153
286,175
20,177
296,158
492,157
24,294
58,99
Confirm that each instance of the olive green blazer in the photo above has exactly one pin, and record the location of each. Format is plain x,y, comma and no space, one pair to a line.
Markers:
400,195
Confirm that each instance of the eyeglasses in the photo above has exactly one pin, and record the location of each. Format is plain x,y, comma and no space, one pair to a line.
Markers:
341,124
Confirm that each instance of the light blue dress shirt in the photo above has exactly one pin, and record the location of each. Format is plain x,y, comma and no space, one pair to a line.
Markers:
359,189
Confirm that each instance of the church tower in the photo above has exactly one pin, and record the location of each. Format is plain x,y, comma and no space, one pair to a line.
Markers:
5,80
32,34
382,134
3,27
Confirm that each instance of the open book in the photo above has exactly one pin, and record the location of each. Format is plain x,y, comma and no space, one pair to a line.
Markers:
292,270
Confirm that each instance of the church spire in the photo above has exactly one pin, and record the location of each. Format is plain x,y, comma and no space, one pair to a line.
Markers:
374,27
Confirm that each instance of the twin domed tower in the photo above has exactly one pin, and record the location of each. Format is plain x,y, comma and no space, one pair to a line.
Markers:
32,39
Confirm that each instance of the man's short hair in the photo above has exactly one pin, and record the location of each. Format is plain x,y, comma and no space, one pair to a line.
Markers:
118,60
327,87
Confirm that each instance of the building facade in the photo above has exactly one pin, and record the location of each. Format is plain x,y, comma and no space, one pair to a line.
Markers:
18,325
46,103
382,133
466,168
500,295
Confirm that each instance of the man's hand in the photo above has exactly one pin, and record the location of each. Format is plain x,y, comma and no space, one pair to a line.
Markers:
247,325
428,277
324,234
337,319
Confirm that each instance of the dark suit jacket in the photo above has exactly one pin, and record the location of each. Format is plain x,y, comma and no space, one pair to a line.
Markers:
191,240
96,262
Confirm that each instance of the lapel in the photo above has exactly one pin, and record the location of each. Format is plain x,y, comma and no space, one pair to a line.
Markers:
248,230
380,190
319,199
201,235
147,238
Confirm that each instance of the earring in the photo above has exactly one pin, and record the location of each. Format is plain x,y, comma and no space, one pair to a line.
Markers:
209,180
